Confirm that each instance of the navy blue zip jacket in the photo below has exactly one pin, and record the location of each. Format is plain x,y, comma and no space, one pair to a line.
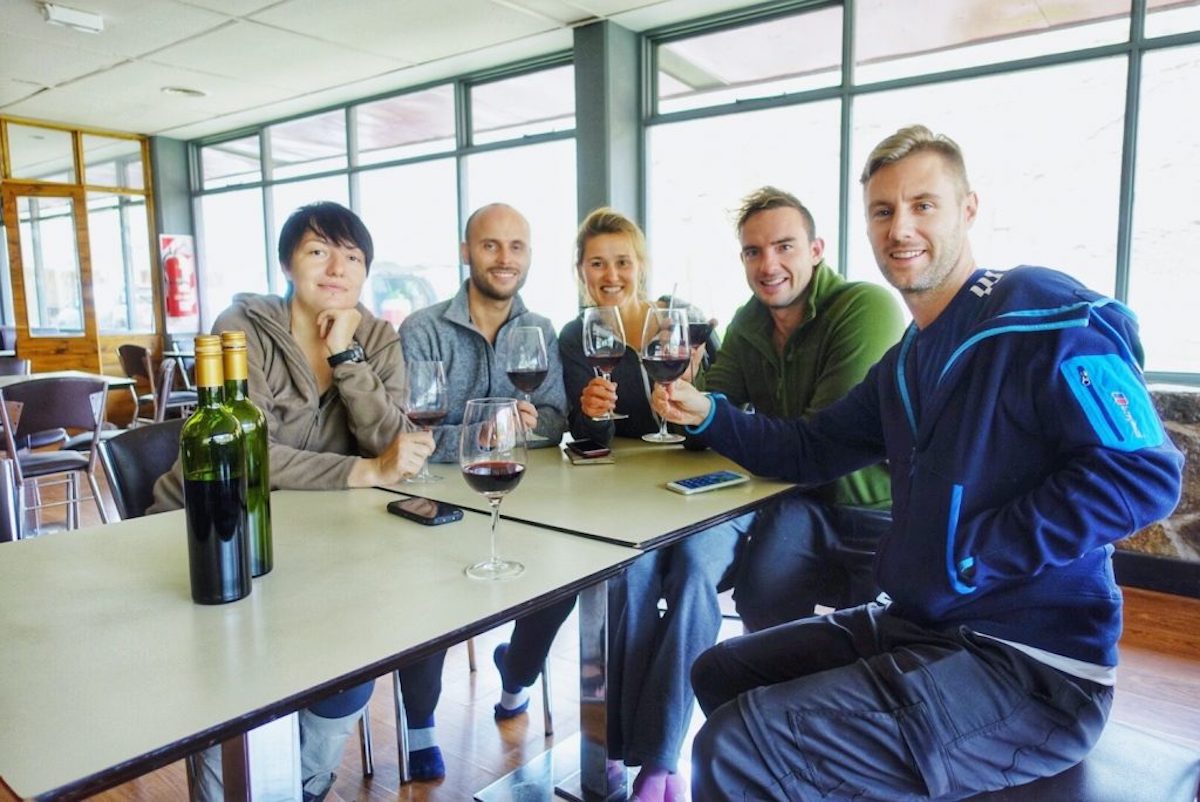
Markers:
1036,448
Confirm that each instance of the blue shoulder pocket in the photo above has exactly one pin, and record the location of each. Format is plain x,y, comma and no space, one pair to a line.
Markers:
1114,400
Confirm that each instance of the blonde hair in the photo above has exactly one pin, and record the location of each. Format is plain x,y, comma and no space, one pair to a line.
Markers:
917,139
606,220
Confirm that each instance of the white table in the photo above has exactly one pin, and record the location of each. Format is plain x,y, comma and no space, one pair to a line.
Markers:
624,502
112,381
109,670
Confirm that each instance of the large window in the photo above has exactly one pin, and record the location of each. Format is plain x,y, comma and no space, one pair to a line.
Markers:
539,181
400,162
1039,101
694,249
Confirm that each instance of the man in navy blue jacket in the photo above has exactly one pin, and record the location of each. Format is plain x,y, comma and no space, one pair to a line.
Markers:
1022,443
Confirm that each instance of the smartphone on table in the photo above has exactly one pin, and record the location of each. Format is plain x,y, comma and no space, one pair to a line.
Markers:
589,448
425,511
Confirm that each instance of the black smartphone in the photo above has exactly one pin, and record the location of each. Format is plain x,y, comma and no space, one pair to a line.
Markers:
589,448
425,511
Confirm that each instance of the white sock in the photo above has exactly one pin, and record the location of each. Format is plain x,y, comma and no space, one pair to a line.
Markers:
511,701
422,738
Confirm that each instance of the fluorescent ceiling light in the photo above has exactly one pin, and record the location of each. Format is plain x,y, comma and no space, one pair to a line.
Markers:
73,18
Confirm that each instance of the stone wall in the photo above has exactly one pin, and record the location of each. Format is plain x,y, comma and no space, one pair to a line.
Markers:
1179,535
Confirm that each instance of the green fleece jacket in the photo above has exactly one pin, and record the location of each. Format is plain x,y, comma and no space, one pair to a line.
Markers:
847,327
314,439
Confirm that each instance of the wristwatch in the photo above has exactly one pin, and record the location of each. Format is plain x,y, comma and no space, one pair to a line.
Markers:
352,354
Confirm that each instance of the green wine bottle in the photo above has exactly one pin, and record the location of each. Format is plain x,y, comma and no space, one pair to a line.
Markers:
212,450
258,463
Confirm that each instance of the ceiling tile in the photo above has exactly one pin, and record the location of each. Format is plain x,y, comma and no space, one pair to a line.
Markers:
413,31
131,27
48,64
234,8
11,91
274,57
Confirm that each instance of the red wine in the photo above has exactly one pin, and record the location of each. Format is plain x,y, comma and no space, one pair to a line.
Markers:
604,363
493,478
698,333
427,417
527,380
218,546
664,370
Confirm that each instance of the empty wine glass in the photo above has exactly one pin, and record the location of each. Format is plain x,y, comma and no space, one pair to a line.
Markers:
526,363
603,345
491,453
425,403
665,356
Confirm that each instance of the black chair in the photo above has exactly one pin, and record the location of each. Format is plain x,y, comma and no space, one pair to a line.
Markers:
135,361
1126,765
13,366
134,459
39,405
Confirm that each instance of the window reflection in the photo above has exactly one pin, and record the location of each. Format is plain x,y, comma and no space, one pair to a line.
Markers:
121,263
414,124
693,245
225,164
534,103
50,266
231,249
44,154
1166,227
309,145
539,182
790,54
412,214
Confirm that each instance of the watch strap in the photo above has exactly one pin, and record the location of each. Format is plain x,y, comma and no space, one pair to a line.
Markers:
352,354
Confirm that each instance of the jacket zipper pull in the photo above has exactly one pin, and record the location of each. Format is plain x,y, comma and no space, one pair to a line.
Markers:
1084,378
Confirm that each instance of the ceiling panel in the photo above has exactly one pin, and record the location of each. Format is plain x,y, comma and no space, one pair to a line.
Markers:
234,8
131,27
11,91
48,63
413,31
274,57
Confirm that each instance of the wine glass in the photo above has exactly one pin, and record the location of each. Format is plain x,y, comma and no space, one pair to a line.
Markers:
491,453
665,356
603,345
526,364
699,326
425,403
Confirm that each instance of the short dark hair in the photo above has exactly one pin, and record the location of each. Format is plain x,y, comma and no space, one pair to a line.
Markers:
764,198
332,221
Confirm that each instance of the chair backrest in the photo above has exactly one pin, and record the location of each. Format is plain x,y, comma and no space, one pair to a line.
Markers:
133,461
8,338
162,392
61,402
135,361
12,366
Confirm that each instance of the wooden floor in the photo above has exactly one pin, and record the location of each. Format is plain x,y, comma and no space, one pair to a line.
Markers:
1158,690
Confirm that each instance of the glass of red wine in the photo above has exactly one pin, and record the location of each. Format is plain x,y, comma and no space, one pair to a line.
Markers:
603,345
665,356
425,403
699,326
526,363
491,453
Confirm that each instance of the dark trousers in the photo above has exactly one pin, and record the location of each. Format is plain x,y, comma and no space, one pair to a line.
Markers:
801,552
531,639
861,704
420,682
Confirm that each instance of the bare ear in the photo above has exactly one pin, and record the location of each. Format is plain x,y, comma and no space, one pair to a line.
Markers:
971,207
464,253
817,249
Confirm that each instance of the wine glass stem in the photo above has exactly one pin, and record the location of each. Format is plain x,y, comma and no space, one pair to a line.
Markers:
495,503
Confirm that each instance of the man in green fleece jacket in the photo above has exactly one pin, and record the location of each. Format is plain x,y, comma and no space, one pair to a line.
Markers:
804,339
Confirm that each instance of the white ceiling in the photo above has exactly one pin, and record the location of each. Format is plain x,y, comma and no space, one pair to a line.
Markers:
258,60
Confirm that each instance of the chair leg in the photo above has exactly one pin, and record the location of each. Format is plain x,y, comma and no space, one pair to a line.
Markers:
547,715
73,499
364,743
401,731
99,499
189,765
471,654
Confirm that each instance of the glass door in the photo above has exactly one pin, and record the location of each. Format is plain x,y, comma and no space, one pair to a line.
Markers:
51,277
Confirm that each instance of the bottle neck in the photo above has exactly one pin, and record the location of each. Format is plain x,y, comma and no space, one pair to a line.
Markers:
236,390
210,395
